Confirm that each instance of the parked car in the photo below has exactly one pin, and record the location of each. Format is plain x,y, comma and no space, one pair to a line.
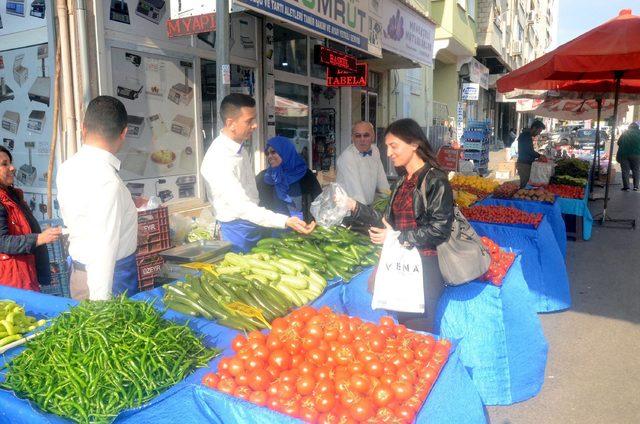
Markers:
586,139
565,136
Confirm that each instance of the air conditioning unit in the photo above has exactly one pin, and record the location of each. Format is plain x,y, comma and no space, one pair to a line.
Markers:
516,48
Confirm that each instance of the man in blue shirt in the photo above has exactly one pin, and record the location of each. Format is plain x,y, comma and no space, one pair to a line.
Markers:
526,153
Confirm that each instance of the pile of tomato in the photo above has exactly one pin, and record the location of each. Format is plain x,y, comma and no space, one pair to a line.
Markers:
501,215
566,191
501,261
324,367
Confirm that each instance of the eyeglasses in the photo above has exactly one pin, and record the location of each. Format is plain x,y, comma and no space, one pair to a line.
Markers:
361,135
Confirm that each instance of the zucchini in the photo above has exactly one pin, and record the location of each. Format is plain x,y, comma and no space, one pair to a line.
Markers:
284,269
270,275
234,280
290,294
293,264
295,283
269,241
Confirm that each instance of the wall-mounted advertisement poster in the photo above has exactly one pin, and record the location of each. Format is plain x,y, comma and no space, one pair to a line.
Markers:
159,158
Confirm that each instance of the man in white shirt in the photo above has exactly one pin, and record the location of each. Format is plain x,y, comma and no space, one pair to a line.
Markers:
97,208
227,170
360,170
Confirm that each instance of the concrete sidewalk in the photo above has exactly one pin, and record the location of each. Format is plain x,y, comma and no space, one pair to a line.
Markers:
593,369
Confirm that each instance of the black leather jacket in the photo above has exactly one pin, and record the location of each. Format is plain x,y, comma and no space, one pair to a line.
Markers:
434,219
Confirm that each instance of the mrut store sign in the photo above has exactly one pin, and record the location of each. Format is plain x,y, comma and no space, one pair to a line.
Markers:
346,21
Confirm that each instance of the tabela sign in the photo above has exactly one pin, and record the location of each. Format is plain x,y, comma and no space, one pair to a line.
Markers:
334,59
448,158
337,77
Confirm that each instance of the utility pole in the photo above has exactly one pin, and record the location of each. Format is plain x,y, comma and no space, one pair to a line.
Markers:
223,67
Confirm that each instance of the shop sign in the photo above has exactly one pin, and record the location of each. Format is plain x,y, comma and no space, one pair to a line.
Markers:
479,73
470,91
348,22
340,78
459,121
407,33
448,158
186,8
191,25
334,59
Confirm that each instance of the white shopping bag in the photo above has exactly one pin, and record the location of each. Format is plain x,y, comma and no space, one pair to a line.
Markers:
398,283
541,173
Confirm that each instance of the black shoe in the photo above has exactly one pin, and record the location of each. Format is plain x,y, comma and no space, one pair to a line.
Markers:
625,189
635,189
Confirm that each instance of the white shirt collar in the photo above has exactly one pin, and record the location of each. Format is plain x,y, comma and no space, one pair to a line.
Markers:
103,155
228,143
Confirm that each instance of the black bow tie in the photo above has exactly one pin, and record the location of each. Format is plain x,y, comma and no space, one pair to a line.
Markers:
367,153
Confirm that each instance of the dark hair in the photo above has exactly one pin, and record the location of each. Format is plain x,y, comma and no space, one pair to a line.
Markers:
231,104
5,150
105,116
538,124
410,132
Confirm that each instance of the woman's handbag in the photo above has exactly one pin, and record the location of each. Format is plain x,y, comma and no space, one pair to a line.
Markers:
463,257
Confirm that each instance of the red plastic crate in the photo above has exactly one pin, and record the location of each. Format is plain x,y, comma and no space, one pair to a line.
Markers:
149,267
153,231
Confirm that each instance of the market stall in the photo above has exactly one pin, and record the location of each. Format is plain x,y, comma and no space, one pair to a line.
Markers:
579,208
552,211
500,337
451,399
542,261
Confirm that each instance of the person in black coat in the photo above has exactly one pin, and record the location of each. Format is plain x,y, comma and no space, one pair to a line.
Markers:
287,186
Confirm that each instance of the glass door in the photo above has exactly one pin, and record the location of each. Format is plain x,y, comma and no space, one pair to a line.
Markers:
292,115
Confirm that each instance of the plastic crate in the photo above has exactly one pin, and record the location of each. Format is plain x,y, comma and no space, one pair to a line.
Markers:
149,267
153,231
474,145
58,264
479,156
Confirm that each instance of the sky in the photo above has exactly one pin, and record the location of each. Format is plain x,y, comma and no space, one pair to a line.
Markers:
578,16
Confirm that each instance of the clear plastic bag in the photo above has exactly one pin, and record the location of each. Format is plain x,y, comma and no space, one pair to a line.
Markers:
331,206
541,173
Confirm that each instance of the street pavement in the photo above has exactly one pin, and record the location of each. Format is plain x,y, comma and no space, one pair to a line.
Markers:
593,368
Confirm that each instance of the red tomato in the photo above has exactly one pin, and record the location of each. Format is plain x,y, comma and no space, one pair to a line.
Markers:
286,390
236,367
254,363
261,352
308,415
324,386
242,392
238,342
280,359
382,395
273,342
259,398
374,368
210,380
325,402
317,357
305,385
405,413
227,386
402,391
377,343
243,379
360,383
259,379
322,373
362,410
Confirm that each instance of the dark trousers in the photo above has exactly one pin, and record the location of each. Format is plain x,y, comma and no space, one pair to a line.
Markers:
630,164
524,172
433,288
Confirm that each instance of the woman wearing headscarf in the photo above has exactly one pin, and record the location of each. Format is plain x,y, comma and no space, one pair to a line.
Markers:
287,186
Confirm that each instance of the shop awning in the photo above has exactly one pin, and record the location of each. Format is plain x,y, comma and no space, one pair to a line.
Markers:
290,108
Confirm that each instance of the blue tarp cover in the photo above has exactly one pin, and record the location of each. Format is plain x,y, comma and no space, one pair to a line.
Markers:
453,398
500,337
552,212
579,207
543,265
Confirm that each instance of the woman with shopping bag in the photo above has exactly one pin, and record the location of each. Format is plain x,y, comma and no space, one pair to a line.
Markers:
420,217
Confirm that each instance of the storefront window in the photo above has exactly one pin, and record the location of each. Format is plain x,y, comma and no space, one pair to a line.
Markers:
292,115
290,50
317,71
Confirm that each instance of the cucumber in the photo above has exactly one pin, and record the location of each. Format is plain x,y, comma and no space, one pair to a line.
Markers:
234,269
255,263
317,278
283,268
295,283
270,275
234,280
269,241
259,278
265,306
295,257
277,298
183,308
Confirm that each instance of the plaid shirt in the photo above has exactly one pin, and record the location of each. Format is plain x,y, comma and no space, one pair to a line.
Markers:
403,217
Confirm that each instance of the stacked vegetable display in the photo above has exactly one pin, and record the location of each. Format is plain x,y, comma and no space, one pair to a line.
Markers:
572,167
566,191
501,261
506,190
535,195
324,367
247,292
502,215
464,199
102,357
569,180
331,252
14,323
474,184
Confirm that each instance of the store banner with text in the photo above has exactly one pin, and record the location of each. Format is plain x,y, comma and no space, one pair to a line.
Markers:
479,73
407,33
348,22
